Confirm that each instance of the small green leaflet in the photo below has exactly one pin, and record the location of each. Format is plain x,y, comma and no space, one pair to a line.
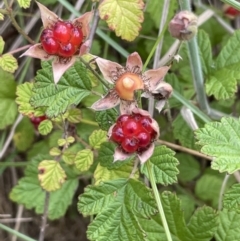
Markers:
8,107
29,193
164,165
83,160
45,127
229,228
24,94
24,3
106,118
8,63
221,140
123,17
71,89
118,205
1,17
51,175
97,138
2,43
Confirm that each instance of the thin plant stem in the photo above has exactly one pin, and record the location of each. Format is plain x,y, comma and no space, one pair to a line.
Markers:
233,3
13,164
158,201
223,187
44,217
14,232
92,123
184,149
195,64
19,49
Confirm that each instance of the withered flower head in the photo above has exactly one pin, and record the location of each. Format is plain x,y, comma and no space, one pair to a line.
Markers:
183,26
134,133
61,40
126,80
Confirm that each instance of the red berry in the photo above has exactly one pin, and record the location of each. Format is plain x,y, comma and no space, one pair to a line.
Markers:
232,11
117,134
50,45
36,120
129,144
137,117
77,36
146,123
67,50
46,33
131,127
144,139
123,118
62,32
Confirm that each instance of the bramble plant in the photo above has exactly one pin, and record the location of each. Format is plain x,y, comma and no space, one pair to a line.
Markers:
136,128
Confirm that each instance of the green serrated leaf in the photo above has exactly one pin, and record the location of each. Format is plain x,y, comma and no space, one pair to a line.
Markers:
123,17
231,199
164,165
29,193
74,115
205,51
61,142
24,135
229,56
24,93
84,160
45,127
103,174
189,167
2,43
106,118
105,156
8,107
228,229
70,139
97,138
55,151
51,175
24,3
222,85
118,205
222,141
73,86
69,157
8,63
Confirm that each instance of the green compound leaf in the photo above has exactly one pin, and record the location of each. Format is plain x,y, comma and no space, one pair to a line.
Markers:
24,3
29,193
51,175
123,17
201,227
24,135
8,107
221,140
2,43
119,205
231,199
205,52
228,229
8,63
106,118
45,127
83,160
105,156
71,89
97,138
223,85
24,94
103,174
164,165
